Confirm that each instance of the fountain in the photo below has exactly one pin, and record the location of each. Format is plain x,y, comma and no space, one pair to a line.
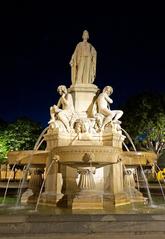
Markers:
84,145
84,168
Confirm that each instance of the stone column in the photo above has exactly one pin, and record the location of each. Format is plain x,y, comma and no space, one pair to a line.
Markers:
113,186
69,187
50,195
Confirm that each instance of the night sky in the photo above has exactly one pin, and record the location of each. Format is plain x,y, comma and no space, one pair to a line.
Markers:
36,45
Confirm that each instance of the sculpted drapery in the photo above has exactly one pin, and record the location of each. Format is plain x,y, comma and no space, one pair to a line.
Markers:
83,62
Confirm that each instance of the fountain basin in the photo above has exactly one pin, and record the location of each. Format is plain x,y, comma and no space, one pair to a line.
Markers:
136,158
77,155
38,157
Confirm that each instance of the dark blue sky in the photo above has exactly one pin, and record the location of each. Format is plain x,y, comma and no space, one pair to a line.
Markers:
36,44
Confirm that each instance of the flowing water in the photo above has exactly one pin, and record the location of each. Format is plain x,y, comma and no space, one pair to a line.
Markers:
36,147
38,144
140,208
41,189
137,179
129,188
130,209
7,186
160,184
142,171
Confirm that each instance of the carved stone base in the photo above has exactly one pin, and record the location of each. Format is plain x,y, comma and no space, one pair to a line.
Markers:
134,195
87,200
83,93
50,198
32,199
114,200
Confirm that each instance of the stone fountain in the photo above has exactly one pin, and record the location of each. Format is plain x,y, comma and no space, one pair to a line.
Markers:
84,144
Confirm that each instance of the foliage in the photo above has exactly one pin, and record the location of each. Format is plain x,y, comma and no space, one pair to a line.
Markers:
3,148
22,134
144,120
19,135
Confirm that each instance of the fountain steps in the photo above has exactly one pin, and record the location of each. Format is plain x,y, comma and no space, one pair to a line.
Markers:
91,236
77,226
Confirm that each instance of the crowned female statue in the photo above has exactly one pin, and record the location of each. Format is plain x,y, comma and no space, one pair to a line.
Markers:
83,62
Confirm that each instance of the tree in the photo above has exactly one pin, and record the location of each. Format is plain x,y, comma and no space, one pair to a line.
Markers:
144,120
3,142
19,135
4,148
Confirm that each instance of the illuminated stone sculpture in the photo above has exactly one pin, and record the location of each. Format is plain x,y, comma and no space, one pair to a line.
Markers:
83,62
89,143
84,156
63,111
103,105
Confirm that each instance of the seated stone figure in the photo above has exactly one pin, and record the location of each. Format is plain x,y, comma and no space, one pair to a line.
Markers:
64,110
103,101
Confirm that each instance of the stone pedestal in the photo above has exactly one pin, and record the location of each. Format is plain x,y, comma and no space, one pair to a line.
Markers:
114,194
87,197
87,200
69,187
50,196
35,184
83,97
129,187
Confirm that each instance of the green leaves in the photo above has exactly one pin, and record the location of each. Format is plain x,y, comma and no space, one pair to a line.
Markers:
144,119
3,148
19,135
